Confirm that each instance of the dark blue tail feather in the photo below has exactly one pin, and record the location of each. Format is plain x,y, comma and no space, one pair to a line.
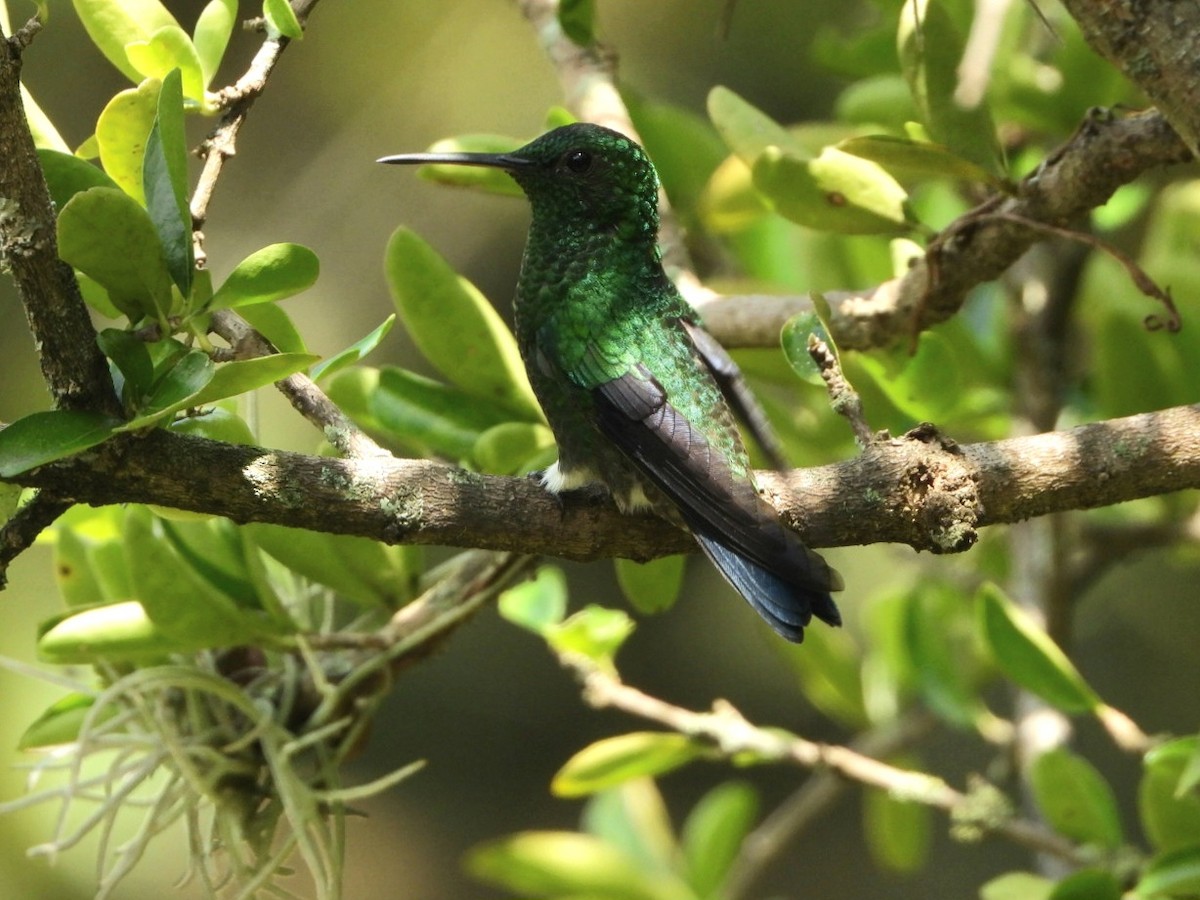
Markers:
786,607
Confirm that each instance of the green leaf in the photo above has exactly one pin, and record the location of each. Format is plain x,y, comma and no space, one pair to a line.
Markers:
942,642
359,569
651,587
132,359
109,237
566,864
909,159
594,632
1017,886
491,180
931,49
612,761
794,339
537,604
282,18
1088,884
269,274
829,669
1175,875
514,448
177,377
713,832
45,135
67,175
112,26
229,380
746,129
178,599
1170,818
455,327
89,559
167,50
835,192
356,351
60,722
121,134
633,818
272,322
43,437
211,36
928,385
115,632
430,417
165,185
1075,799
578,20
898,831
1029,657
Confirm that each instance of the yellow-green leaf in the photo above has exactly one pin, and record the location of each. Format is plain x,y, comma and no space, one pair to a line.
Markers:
612,761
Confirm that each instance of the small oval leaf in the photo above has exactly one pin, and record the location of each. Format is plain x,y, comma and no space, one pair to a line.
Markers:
1029,657
612,761
272,273
43,437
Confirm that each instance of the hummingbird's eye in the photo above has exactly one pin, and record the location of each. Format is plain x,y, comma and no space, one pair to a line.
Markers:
578,161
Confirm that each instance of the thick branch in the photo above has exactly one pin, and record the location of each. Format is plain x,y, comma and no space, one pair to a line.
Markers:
918,490
1156,43
72,364
1105,153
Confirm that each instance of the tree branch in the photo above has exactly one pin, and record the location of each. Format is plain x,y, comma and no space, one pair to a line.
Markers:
981,811
1105,153
919,490
1156,43
74,368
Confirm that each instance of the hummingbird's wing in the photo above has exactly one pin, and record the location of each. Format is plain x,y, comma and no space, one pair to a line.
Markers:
737,393
785,581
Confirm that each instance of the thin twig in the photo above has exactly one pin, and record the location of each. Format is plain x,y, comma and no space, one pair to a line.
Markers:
814,798
301,391
729,734
19,532
843,399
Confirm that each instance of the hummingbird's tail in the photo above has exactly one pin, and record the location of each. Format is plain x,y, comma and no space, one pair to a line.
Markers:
787,606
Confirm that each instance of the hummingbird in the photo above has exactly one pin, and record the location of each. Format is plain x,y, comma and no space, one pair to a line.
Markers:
641,399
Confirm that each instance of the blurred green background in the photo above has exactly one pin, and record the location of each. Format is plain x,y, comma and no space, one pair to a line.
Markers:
493,714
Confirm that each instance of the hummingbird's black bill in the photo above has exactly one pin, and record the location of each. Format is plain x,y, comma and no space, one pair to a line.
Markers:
490,160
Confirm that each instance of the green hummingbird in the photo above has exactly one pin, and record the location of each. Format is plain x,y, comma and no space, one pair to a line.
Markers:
641,399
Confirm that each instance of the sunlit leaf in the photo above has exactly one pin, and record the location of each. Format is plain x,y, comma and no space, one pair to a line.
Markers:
272,273
168,49
747,129
59,723
113,26
211,36
282,18
905,159
1172,876
609,762
67,175
1017,886
107,235
539,603
594,632
568,864
455,327
835,192
651,587
899,831
356,351
121,134
115,631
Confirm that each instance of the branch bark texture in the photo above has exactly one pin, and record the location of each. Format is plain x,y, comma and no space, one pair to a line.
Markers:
920,490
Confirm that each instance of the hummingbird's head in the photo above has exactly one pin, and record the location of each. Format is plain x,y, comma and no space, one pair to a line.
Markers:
579,177
588,175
